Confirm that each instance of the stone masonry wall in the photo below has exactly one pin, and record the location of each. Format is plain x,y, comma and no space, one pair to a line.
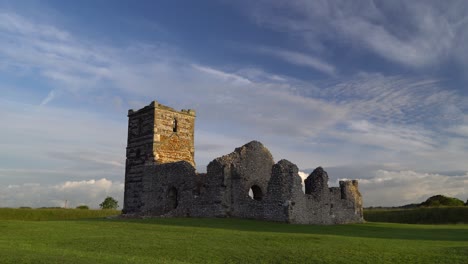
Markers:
174,189
248,166
173,135
156,134
139,152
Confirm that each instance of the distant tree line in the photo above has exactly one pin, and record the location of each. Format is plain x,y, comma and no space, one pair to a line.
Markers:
108,203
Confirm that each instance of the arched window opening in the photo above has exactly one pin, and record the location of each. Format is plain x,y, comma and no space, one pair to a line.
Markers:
172,199
174,125
256,193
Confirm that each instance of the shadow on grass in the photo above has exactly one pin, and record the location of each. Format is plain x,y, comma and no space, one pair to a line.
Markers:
463,251
367,230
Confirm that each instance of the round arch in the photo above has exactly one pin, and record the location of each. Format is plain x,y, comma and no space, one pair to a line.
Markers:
255,192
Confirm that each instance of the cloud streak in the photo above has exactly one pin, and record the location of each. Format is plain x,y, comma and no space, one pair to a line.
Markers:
49,98
299,59
427,33
11,22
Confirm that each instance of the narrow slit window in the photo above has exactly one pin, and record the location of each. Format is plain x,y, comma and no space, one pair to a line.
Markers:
174,125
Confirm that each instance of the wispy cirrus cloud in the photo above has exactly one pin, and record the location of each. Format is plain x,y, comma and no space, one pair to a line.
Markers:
52,52
390,137
11,22
253,100
424,34
44,143
372,118
398,99
223,75
261,101
49,98
299,59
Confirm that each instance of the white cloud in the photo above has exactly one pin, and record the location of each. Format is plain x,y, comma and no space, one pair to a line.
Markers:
89,192
400,100
223,75
45,143
49,144
300,59
393,188
398,138
50,97
309,124
411,33
246,103
14,23
461,130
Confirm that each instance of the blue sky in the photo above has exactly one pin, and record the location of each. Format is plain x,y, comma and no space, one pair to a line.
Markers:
370,90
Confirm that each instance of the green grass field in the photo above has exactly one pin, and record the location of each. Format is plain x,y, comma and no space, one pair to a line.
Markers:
52,214
192,240
422,215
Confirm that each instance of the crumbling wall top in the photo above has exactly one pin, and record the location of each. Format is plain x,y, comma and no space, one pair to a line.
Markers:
252,151
317,182
154,104
284,181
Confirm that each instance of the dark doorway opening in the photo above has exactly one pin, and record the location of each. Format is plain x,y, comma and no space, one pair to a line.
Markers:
256,193
174,125
172,199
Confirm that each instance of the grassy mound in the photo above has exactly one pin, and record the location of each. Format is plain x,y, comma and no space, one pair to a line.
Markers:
441,200
421,215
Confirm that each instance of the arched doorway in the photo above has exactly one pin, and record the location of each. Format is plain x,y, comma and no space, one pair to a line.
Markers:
256,193
172,199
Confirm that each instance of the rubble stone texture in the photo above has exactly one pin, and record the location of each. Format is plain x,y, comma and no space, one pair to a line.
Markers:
160,178
156,134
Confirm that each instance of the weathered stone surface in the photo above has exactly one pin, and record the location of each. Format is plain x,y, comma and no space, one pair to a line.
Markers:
317,183
156,134
161,180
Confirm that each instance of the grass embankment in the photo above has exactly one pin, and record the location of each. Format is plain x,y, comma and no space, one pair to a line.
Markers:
422,215
52,214
191,240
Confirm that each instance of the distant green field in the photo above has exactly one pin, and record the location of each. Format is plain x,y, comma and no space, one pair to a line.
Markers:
192,240
52,214
422,215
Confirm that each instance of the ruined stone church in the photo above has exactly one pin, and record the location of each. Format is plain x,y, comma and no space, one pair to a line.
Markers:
160,178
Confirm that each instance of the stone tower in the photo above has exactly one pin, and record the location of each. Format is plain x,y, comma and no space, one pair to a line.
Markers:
156,134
